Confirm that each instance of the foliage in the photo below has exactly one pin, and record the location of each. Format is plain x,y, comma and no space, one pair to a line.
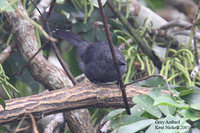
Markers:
82,17
160,112
6,86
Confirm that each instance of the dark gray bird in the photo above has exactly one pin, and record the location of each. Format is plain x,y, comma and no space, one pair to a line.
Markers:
95,59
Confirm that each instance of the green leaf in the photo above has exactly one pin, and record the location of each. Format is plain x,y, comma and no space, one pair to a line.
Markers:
191,115
195,106
95,2
181,88
152,129
167,110
137,126
80,27
100,35
146,102
113,113
193,98
184,91
125,120
155,92
137,110
2,102
90,36
152,82
167,100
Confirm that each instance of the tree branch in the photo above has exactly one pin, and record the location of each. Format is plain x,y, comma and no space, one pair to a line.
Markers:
83,95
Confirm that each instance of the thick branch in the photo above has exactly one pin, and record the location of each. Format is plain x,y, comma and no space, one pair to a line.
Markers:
83,95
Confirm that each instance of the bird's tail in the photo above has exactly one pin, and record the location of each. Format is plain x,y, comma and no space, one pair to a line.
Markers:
70,37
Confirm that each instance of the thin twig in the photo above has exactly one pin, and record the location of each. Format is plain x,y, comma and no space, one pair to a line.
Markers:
119,77
35,130
20,123
23,129
154,75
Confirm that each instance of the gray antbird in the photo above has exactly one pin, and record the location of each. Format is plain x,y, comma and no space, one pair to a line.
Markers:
95,59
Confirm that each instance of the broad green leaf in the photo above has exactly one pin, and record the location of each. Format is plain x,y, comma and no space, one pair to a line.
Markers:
152,129
193,98
184,91
195,106
146,102
167,110
137,110
125,120
166,100
155,92
191,115
132,128
95,2
113,114
2,102
181,88
152,82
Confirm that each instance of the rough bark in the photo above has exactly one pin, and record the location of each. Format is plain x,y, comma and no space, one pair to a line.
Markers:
83,95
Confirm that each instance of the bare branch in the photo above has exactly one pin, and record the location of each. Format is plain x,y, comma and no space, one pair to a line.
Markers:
83,95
